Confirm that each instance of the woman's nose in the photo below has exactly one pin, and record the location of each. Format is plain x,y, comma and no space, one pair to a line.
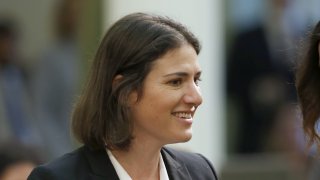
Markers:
193,95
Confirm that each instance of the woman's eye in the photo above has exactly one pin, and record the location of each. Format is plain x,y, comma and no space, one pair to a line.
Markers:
175,82
196,81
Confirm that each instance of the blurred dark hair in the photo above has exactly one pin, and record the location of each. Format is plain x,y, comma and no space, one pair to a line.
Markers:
67,16
7,28
129,48
308,85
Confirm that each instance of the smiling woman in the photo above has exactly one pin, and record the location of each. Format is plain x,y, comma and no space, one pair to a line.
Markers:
141,95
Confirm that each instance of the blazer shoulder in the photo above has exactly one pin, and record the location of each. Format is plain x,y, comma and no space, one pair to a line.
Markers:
195,163
56,169
186,157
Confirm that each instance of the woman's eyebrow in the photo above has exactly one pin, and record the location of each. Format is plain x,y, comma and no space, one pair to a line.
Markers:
181,74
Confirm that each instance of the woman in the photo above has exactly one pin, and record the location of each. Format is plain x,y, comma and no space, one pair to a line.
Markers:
141,94
308,86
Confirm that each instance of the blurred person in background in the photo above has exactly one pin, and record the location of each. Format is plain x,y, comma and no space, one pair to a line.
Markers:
260,80
308,90
16,116
56,80
17,160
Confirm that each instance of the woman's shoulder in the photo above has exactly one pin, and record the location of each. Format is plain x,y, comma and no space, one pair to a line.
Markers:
63,167
194,162
186,156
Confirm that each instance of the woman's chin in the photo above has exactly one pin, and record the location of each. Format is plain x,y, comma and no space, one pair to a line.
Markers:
185,137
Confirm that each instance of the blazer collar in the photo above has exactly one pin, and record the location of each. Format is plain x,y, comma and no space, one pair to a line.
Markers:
102,167
175,169
100,164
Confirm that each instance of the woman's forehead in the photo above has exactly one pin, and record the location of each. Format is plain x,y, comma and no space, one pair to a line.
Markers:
179,59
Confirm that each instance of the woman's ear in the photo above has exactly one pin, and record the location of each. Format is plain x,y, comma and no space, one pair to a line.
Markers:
133,96
116,80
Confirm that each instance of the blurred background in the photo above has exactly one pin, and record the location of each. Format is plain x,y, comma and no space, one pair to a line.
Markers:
249,125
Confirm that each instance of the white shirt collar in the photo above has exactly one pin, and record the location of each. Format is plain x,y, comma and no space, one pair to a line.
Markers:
163,170
123,175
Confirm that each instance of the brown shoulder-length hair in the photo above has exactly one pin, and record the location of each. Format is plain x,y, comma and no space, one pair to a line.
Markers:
308,85
101,116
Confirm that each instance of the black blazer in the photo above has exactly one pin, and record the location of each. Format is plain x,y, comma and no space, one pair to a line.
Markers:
87,164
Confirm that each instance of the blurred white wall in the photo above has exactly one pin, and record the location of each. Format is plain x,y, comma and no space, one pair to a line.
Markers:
205,19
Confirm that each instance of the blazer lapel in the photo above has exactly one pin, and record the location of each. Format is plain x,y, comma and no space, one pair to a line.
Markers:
102,168
100,164
176,170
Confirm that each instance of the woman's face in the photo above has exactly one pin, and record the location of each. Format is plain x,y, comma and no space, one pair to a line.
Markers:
171,95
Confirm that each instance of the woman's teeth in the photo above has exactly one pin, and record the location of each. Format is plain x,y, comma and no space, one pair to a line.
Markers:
183,115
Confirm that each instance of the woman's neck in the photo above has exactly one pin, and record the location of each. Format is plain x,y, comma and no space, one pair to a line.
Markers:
141,161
